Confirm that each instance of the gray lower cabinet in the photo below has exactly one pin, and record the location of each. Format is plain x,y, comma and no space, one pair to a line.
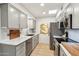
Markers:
28,47
9,50
31,44
35,41
23,49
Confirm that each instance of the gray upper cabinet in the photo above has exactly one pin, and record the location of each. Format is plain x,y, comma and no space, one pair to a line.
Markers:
69,9
74,10
13,17
0,17
9,16
23,20
4,15
75,16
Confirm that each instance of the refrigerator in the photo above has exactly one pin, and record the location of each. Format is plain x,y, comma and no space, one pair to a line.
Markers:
54,31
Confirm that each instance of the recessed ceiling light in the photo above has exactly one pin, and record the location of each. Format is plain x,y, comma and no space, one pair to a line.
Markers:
11,9
44,13
52,11
42,4
22,15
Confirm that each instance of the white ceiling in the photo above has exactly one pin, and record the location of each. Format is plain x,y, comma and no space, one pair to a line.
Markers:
36,10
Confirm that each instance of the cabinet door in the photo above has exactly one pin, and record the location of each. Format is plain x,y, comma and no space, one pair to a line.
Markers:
0,17
23,21
28,46
13,17
74,10
20,50
4,15
75,17
35,41
7,50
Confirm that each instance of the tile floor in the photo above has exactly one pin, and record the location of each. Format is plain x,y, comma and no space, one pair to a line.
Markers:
42,50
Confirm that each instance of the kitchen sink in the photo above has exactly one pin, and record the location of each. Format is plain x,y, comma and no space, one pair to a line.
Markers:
30,34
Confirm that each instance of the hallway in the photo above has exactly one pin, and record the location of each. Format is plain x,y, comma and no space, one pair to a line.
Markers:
42,50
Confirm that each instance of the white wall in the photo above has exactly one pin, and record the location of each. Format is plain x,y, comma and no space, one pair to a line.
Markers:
44,38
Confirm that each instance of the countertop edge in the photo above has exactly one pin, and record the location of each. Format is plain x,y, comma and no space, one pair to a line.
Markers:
15,44
67,53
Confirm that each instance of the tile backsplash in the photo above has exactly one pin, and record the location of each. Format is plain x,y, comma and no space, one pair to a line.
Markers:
4,33
24,31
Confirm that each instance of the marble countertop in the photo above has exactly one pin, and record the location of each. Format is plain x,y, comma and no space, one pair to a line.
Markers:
16,41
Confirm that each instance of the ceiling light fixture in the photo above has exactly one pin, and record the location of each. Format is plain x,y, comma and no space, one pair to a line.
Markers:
22,15
52,11
11,9
42,4
44,13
